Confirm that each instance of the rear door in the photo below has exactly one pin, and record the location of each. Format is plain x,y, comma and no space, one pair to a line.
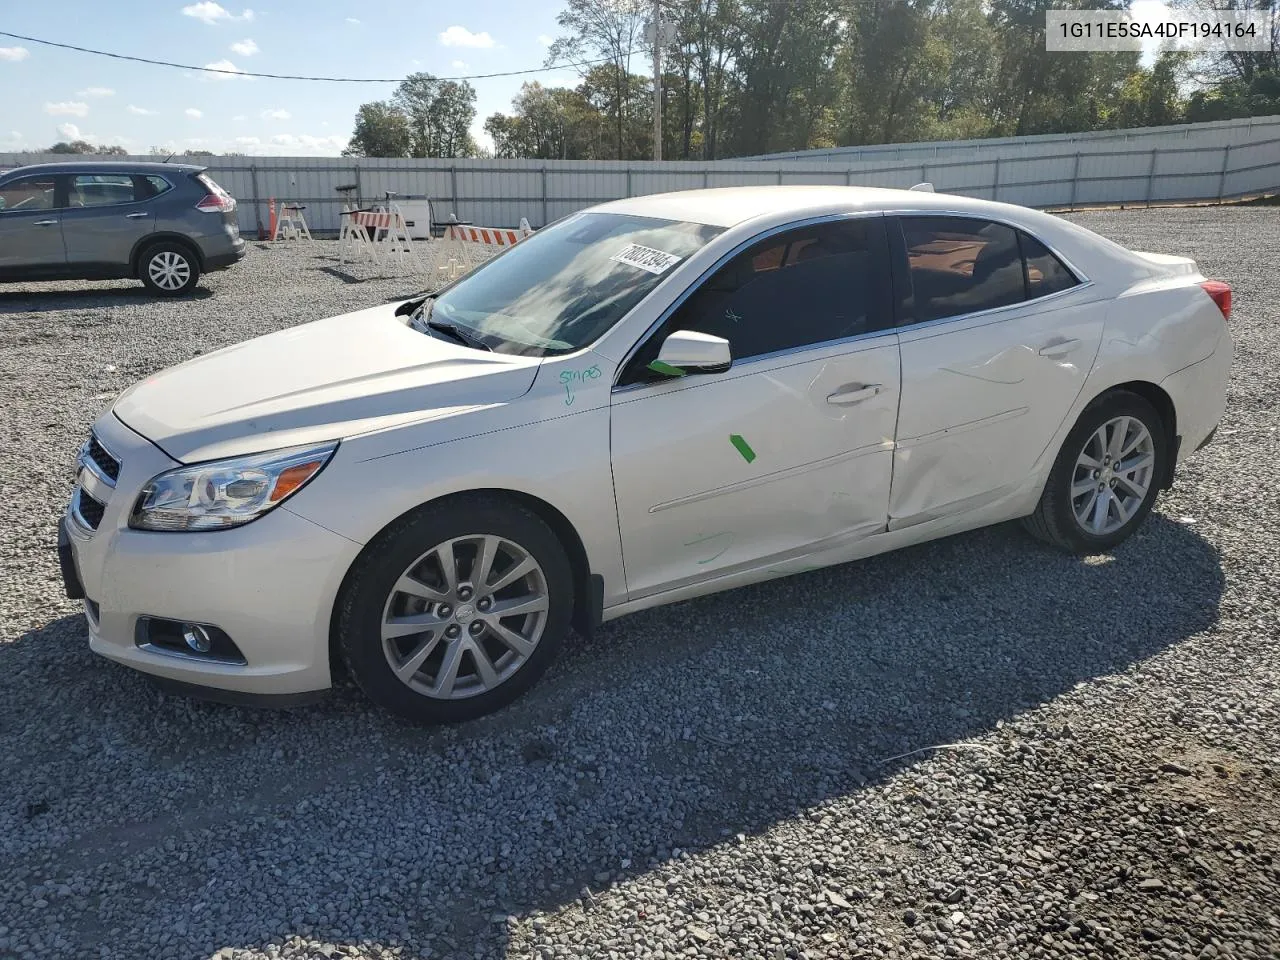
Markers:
106,215
997,338
31,227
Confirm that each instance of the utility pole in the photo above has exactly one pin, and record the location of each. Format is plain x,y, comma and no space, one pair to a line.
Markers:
657,79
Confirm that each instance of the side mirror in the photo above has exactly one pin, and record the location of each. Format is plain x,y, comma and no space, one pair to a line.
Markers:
687,351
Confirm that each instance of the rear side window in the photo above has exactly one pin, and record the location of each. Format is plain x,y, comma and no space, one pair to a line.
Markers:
28,193
101,189
806,286
959,265
154,186
1045,273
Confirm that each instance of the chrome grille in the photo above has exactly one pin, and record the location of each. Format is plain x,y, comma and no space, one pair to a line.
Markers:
89,509
105,461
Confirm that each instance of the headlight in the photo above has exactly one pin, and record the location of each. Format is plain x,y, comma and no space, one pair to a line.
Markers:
226,493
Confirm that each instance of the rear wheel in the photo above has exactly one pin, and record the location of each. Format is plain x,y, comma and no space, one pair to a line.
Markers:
1106,477
168,269
456,610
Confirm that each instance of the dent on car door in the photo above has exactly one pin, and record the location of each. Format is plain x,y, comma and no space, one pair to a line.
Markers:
998,338
789,448
30,226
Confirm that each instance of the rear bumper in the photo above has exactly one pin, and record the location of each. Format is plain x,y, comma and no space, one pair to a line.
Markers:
1199,394
224,259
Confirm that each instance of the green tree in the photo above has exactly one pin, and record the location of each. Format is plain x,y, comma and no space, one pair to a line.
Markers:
381,130
439,114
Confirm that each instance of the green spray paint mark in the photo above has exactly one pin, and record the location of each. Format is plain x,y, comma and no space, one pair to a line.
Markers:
742,447
666,369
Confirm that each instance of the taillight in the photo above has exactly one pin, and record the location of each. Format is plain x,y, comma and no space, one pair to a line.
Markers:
216,203
1220,293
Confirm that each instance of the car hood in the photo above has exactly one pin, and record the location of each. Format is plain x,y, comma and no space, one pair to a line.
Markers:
320,381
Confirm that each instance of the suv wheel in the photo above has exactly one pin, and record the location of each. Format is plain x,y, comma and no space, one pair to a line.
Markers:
168,269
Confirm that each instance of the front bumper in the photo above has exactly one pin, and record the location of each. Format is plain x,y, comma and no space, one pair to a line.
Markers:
270,585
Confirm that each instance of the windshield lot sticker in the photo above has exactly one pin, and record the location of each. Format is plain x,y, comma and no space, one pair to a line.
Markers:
646,258
570,377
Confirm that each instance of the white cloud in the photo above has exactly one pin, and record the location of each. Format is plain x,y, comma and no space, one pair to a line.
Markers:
214,13
245,47
230,70
67,108
276,115
72,132
306,142
14,54
462,37
545,40
458,64
193,113
141,111
238,118
247,141
96,92
353,21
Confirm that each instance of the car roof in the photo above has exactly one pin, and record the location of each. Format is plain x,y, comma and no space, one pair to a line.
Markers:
729,206
104,166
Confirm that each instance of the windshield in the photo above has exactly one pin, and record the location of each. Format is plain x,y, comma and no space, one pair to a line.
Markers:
566,285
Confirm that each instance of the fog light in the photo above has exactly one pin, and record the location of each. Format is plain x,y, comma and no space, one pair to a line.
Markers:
197,637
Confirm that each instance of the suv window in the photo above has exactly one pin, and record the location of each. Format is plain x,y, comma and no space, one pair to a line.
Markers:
1046,274
806,286
101,189
961,265
28,193
154,185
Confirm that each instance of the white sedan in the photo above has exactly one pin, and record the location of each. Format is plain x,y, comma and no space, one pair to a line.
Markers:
649,400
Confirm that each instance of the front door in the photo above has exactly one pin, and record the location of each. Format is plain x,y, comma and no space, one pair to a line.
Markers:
106,215
30,227
788,449
998,340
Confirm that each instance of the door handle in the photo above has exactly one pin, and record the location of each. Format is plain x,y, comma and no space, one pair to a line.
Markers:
1059,349
854,393
43,223
135,216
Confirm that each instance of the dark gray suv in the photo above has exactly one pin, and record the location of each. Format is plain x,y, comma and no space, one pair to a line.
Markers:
163,223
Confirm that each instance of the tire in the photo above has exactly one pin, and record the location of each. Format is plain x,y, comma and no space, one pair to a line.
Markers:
1073,524
442,662
168,269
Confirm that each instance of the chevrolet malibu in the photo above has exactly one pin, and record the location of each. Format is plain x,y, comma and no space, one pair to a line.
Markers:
647,401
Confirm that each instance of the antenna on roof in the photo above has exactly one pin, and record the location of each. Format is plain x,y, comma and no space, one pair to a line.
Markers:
925,187
172,155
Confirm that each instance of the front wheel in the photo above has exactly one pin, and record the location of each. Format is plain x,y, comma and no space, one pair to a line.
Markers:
1106,477
455,611
168,269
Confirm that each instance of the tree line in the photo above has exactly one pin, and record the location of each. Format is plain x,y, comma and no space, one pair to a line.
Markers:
746,77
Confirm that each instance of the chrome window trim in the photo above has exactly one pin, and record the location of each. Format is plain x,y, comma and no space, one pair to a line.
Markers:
702,278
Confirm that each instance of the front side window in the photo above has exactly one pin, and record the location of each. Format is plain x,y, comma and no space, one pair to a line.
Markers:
807,286
565,286
100,189
28,193
960,265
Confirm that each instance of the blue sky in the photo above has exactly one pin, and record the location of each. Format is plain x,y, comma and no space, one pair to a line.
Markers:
47,94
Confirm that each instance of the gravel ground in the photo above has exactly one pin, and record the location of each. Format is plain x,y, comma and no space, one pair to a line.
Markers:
755,774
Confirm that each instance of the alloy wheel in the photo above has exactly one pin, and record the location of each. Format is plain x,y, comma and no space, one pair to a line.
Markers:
1113,475
465,616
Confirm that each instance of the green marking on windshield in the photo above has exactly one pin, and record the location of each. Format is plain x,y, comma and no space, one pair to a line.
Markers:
742,447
